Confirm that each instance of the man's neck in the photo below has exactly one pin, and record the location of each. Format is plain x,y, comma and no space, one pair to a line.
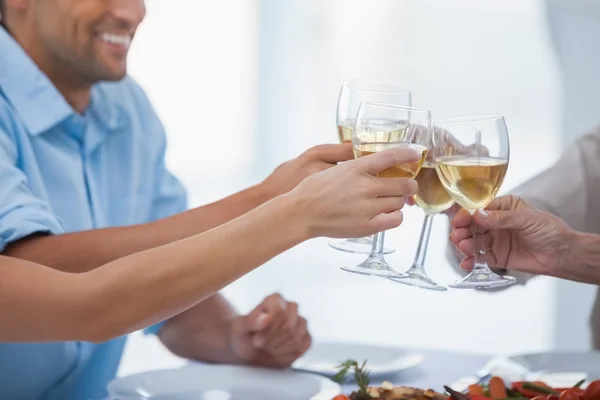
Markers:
77,96
74,88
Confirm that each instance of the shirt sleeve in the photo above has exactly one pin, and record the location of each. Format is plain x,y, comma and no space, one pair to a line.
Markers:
21,212
170,196
570,188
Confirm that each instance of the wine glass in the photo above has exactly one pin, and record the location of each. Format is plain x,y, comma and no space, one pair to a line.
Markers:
380,127
471,159
353,93
432,198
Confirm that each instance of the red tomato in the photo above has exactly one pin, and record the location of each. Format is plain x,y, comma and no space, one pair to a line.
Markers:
577,391
592,391
341,397
540,398
568,395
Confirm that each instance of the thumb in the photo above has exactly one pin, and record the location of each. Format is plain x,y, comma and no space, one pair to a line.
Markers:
375,163
511,219
256,321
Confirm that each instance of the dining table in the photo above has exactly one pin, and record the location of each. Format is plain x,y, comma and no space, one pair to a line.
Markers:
438,368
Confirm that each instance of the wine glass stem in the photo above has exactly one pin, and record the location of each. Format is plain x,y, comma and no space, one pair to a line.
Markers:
480,262
377,248
419,262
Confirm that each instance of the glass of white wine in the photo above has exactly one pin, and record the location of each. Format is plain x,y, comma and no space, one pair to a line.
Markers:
432,198
353,93
471,159
380,127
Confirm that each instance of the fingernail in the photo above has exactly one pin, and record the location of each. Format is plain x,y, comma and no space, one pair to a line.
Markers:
484,213
259,321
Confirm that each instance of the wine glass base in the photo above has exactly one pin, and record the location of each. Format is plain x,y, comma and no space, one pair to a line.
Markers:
483,281
374,268
357,245
419,279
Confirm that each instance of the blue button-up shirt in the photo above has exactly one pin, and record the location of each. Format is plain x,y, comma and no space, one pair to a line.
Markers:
65,172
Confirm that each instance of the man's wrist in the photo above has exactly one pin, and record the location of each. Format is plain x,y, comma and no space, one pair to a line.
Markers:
582,261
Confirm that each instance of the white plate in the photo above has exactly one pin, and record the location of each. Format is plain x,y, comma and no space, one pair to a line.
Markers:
324,358
223,382
561,368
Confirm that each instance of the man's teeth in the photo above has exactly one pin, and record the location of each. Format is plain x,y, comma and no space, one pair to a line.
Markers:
121,40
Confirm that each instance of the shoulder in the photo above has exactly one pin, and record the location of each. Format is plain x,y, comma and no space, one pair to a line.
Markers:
586,149
591,138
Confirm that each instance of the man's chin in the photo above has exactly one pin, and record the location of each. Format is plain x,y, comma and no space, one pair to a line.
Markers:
114,77
112,73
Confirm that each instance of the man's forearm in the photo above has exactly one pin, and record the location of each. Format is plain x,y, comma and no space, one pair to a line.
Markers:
582,264
84,251
202,333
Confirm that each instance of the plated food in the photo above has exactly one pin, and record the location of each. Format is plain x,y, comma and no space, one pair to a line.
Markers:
495,389
385,391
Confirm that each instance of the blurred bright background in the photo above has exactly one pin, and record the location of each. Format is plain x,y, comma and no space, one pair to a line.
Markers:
243,85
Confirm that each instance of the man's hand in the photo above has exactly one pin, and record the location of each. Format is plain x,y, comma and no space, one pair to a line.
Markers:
517,236
272,335
289,174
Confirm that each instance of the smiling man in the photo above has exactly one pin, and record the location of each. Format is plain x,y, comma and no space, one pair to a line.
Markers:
82,166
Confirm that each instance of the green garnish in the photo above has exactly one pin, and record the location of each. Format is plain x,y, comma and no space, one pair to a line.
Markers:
539,389
361,376
578,384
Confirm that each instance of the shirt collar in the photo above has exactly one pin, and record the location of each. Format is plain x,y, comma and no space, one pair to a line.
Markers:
40,105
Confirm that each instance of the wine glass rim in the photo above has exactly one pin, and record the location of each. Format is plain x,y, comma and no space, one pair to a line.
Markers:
393,87
397,106
469,118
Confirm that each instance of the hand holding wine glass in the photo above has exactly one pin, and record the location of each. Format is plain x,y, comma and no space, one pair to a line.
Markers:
352,94
380,127
519,237
318,158
472,174
351,199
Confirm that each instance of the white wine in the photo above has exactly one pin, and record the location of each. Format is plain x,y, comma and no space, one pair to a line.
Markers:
397,171
345,132
472,181
432,196
377,131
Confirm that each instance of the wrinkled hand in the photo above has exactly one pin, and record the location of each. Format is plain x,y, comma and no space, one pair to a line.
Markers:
272,335
316,159
351,201
516,235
